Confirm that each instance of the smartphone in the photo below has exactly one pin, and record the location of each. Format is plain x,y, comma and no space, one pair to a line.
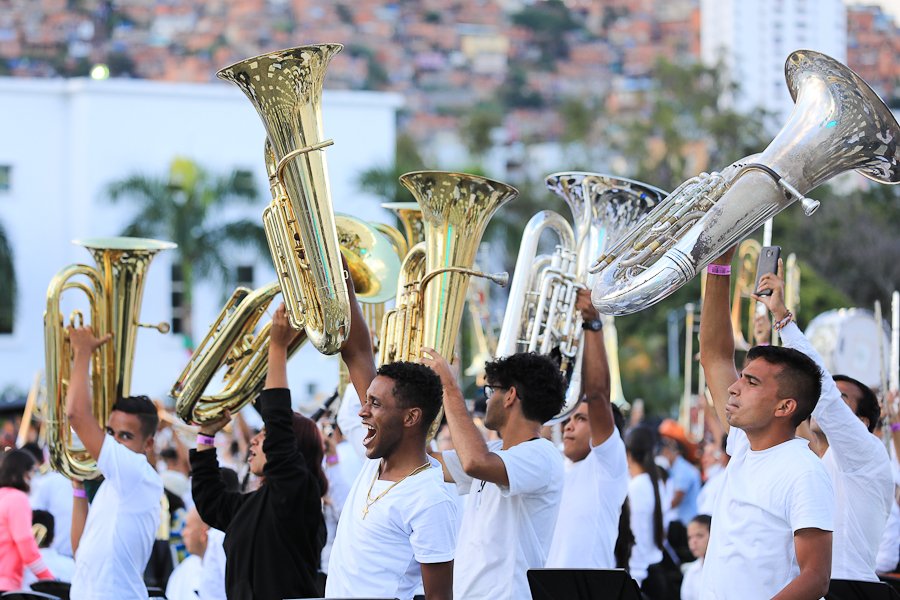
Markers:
767,263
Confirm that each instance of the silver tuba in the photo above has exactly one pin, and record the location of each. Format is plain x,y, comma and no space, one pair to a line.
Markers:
540,313
838,124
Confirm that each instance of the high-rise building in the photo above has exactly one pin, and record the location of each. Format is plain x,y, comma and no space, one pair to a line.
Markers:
753,39
873,44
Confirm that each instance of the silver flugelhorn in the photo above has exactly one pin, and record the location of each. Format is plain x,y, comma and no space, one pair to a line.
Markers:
540,313
838,124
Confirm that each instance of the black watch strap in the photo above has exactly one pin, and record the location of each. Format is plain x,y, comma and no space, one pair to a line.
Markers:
592,325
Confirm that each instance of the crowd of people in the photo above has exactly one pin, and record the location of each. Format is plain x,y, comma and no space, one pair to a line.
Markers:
791,492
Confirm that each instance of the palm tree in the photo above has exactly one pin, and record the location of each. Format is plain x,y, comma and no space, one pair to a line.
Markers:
8,290
185,207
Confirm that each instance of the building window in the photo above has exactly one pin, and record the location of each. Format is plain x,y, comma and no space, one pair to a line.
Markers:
177,299
5,178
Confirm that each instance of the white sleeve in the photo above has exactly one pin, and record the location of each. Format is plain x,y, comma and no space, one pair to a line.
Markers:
122,468
212,578
811,501
845,432
610,456
433,537
460,477
528,466
349,421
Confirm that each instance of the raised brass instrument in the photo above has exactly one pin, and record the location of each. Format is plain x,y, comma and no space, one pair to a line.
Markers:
114,289
285,87
410,216
838,124
233,343
540,313
745,284
434,276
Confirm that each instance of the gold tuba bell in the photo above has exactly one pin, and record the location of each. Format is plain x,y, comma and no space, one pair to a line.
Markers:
285,87
838,124
434,276
114,290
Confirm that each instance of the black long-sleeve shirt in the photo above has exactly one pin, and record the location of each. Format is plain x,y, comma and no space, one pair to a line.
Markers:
273,536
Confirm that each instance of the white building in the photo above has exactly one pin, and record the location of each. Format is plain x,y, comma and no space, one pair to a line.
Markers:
64,140
754,38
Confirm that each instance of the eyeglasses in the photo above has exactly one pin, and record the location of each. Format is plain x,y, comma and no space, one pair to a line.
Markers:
489,389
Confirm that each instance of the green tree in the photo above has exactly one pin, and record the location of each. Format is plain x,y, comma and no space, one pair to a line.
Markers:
8,292
383,181
185,206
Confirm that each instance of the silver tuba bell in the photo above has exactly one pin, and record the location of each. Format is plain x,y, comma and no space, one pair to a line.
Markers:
838,124
540,313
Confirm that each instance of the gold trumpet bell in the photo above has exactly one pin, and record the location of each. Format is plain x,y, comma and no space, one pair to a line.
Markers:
372,259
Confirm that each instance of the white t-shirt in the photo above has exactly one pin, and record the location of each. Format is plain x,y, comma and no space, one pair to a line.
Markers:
380,555
709,493
120,529
185,579
860,471
52,492
506,530
690,584
588,523
642,502
766,496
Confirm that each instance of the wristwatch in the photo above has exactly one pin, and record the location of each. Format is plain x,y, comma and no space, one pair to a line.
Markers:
592,325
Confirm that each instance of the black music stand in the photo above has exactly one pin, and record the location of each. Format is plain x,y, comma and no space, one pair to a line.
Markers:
582,584
845,589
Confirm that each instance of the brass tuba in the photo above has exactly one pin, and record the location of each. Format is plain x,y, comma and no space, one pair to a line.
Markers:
114,290
285,87
838,124
233,343
434,276
540,313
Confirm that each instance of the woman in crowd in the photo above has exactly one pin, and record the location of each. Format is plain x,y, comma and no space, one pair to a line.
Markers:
698,540
646,509
18,550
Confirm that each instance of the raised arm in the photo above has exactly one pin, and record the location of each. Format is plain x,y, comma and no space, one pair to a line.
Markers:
78,396
716,337
476,460
357,351
595,381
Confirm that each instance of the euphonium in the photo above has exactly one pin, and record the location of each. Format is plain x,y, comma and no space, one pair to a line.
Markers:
285,87
232,341
838,123
114,290
540,314
434,277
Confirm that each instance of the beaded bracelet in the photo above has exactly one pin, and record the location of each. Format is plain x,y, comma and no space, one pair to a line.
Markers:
779,325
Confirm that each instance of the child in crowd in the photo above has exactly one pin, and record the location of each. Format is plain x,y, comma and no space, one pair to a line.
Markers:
698,540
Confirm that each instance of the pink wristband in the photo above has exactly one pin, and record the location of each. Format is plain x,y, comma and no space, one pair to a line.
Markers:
718,269
79,493
895,426
206,440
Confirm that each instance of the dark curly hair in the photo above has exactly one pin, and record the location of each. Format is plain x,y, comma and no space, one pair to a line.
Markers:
868,406
537,379
415,386
144,409
800,377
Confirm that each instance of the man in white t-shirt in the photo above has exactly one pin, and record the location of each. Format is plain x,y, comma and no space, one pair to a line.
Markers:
200,576
514,484
112,541
773,521
596,484
396,534
856,460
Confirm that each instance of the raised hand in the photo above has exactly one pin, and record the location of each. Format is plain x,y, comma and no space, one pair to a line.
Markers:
773,282
84,341
585,306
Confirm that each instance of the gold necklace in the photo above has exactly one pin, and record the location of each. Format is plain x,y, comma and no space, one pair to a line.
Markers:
370,501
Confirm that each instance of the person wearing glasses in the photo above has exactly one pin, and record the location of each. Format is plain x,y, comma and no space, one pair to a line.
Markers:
513,484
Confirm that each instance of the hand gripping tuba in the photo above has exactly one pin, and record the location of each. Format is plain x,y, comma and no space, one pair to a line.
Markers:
114,290
838,124
434,276
540,313
285,87
233,343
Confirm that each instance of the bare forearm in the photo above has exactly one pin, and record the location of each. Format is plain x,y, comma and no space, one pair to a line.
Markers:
467,440
595,385
79,517
808,585
717,343
78,396
276,375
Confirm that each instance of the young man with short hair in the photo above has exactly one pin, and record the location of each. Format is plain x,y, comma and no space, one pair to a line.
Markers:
112,541
514,484
774,515
396,534
856,460
596,484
